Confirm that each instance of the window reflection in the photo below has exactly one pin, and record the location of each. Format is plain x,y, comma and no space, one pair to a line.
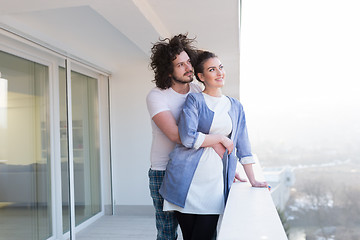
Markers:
25,199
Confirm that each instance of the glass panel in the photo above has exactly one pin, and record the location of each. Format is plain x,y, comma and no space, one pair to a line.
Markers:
86,146
64,151
25,199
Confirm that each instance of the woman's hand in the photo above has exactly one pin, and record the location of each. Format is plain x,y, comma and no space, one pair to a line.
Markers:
259,184
240,179
250,174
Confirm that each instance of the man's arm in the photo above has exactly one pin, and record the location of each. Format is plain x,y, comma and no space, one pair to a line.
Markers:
167,124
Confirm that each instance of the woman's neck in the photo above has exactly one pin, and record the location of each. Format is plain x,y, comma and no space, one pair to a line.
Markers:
213,92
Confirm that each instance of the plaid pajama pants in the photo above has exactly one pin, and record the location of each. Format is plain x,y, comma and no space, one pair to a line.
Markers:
166,222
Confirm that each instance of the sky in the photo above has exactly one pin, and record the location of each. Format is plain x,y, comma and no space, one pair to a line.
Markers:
300,71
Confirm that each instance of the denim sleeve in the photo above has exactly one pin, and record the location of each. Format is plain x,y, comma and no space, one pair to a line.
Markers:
243,147
188,122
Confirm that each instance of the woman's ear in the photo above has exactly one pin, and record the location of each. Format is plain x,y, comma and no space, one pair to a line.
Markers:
201,77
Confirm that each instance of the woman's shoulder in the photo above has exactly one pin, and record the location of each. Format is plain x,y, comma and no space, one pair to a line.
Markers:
195,99
195,93
235,102
195,96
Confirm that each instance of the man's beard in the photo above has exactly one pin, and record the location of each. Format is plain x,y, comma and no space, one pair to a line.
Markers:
182,81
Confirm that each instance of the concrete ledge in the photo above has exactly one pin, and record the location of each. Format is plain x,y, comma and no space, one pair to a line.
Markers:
250,213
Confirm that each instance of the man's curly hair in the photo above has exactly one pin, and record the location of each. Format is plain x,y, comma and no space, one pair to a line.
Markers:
164,52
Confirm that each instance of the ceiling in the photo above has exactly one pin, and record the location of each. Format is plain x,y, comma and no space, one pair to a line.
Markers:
93,29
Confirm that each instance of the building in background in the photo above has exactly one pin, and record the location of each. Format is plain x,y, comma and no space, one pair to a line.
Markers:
281,179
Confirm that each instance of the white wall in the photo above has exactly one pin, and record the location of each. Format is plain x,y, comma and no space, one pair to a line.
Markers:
131,130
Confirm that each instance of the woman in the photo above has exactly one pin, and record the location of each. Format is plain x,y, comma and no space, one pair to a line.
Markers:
197,180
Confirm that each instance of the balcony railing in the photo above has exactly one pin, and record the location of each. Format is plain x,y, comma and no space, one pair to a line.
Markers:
250,213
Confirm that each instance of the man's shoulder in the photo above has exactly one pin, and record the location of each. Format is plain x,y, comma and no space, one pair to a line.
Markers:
157,90
195,87
157,101
157,93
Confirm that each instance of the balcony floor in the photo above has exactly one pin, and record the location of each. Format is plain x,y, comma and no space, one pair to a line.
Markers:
121,227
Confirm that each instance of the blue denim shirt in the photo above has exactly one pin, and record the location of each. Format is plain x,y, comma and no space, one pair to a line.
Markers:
197,117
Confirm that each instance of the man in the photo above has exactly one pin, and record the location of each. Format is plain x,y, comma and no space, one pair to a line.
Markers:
171,63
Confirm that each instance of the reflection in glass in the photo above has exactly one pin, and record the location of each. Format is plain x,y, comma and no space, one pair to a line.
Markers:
25,199
85,147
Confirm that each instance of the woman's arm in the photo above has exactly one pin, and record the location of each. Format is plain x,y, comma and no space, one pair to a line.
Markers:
213,139
250,174
190,135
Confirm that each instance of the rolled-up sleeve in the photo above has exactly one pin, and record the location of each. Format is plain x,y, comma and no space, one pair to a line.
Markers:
199,141
243,148
247,160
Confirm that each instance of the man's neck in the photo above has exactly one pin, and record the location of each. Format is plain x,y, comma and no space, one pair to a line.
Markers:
181,88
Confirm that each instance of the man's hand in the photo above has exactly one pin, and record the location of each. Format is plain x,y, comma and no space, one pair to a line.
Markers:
219,149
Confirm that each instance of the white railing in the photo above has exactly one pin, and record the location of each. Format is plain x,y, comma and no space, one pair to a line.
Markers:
250,213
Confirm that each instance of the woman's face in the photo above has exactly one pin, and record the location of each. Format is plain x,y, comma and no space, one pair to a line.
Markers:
213,74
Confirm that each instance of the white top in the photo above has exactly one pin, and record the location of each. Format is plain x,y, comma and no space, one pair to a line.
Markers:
157,101
206,192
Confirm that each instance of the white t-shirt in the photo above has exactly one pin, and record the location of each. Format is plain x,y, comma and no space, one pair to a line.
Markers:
157,101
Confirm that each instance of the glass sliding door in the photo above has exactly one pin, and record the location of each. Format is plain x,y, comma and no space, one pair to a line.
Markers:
64,151
25,183
85,146
45,192
86,153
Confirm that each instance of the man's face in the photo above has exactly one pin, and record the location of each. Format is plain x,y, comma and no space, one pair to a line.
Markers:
183,71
